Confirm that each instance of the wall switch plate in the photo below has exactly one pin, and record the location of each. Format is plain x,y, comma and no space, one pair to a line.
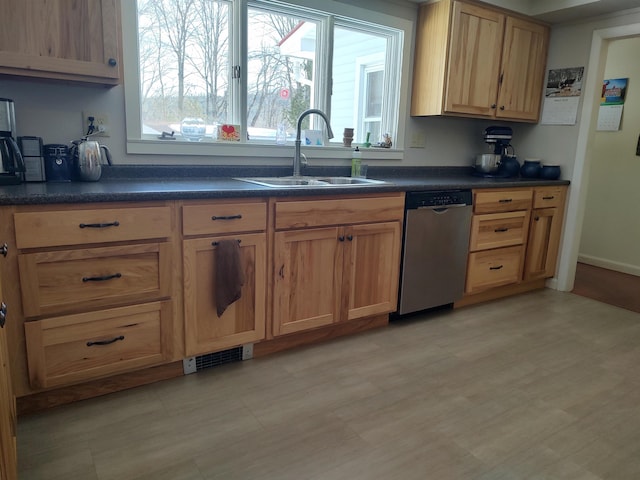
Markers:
96,124
418,140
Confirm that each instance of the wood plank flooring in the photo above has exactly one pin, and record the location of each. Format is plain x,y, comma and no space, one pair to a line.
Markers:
608,286
539,386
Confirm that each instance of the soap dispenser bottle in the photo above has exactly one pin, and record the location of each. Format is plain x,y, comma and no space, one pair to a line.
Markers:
356,161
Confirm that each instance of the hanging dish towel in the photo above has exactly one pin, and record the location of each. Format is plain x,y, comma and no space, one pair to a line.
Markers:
229,274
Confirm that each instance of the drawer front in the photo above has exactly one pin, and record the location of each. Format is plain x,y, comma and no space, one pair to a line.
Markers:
315,213
75,280
493,201
223,218
76,348
80,227
547,197
494,268
495,230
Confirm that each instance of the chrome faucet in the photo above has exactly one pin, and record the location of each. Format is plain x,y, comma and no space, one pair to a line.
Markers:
296,156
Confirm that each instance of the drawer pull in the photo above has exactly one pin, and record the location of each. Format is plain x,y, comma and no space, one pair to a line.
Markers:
496,268
215,244
101,279
350,237
4,249
228,217
341,238
3,314
105,342
99,225
500,230
548,198
505,200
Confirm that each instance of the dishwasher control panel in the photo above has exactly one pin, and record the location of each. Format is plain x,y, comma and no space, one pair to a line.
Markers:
438,198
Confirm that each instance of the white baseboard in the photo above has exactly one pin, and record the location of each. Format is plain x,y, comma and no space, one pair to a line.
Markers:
609,264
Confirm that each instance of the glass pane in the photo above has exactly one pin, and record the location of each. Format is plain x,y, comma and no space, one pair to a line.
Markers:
184,67
358,73
281,54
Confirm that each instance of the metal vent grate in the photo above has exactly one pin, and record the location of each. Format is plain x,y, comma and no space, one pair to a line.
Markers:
219,358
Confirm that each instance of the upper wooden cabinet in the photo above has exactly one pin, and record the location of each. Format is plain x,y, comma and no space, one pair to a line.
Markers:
62,39
474,60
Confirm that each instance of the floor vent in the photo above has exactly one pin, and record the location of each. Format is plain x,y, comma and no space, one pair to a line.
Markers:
210,360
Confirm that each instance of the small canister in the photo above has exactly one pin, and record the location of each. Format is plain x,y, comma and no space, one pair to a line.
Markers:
57,163
550,172
530,168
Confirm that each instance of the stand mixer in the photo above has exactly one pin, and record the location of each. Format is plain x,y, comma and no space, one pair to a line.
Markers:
499,163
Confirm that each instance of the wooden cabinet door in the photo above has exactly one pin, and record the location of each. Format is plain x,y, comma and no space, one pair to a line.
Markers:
307,278
244,320
543,245
63,39
474,60
8,462
372,263
524,58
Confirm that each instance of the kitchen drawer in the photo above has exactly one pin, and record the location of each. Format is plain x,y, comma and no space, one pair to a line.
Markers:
494,201
315,213
494,230
546,197
74,280
220,218
493,268
80,227
76,348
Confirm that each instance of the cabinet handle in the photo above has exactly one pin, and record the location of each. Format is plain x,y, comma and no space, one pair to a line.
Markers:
101,279
105,342
537,218
501,107
350,238
341,238
496,268
228,217
112,62
500,81
281,272
99,225
4,250
493,105
505,200
548,198
3,314
500,230
215,244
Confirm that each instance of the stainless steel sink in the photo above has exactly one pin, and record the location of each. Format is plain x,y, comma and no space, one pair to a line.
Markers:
304,181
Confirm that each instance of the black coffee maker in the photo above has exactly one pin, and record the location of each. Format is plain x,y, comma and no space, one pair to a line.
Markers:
11,162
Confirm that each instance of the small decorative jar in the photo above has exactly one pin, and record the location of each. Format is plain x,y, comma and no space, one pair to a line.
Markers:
509,166
550,172
530,168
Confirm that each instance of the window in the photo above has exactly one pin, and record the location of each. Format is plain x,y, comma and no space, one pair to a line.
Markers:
209,71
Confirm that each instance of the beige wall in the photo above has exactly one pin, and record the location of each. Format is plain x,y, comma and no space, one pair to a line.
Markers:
611,231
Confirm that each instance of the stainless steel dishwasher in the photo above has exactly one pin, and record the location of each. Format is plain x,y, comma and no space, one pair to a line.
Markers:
436,244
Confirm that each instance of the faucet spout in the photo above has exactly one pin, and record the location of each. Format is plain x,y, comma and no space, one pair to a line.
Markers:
298,142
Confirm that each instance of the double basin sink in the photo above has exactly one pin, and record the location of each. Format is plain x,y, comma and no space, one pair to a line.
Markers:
306,181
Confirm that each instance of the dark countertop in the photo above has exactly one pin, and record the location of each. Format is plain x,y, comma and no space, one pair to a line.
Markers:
171,183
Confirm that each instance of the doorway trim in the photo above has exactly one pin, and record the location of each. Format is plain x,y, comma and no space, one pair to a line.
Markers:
580,178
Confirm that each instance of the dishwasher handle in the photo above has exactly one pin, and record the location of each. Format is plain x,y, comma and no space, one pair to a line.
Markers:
443,208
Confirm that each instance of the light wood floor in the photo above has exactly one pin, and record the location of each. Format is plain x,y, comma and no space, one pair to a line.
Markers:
540,386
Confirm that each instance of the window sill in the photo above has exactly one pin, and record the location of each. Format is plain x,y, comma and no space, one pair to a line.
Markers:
255,150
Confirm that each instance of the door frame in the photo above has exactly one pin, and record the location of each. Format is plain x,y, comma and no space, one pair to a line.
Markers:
580,179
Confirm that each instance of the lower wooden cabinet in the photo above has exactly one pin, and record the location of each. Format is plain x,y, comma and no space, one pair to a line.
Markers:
8,419
75,348
326,275
493,268
244,320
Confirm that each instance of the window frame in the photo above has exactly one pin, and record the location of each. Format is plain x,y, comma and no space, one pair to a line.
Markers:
337,14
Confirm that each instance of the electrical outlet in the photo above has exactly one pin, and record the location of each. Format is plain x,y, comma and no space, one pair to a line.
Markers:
96,123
